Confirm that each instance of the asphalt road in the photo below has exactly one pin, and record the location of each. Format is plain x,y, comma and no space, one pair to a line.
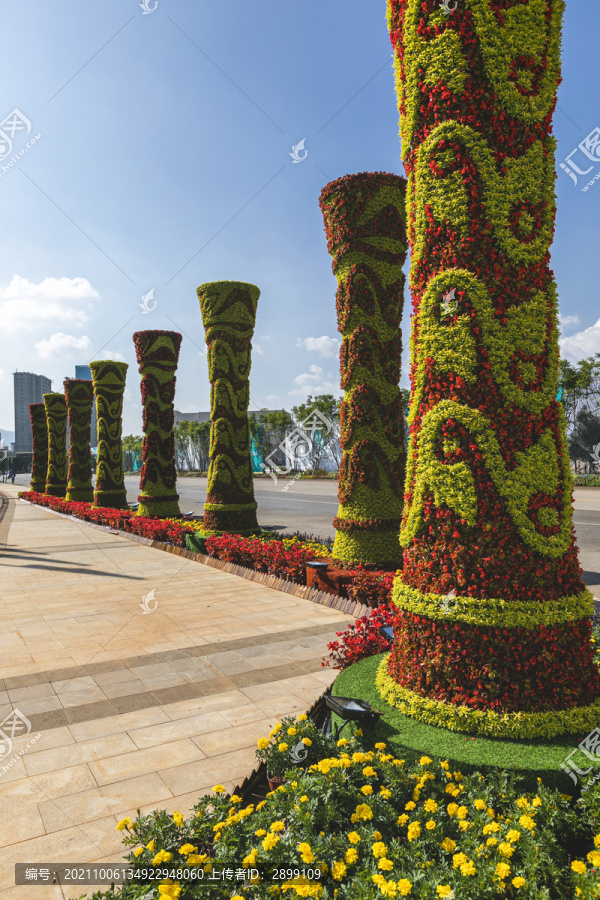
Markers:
310,506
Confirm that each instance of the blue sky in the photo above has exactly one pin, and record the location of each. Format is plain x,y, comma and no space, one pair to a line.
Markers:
164,163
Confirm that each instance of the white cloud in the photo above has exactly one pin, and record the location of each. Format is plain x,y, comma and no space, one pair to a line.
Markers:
60,344
272,398
25,305
265,337
326,347
256,348
315,381
582,344
109,354
566,321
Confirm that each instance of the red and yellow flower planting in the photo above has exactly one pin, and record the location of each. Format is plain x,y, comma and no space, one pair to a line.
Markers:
492,632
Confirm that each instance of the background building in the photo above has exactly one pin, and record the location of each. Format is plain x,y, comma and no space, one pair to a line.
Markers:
191,417
29,388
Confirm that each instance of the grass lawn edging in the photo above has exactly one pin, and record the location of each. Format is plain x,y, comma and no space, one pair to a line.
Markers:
411,739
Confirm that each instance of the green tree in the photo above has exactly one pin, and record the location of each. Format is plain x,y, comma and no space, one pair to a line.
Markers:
579,391
132,444
269,428
199,440
324,435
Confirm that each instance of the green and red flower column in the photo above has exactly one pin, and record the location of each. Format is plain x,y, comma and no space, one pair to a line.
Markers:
39,434
108,377
56,419
157,355
79,396
365,225
493,628
229,313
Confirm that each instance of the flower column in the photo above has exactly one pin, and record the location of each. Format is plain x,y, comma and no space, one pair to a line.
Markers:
39,433
493,628
157,355
364,221
109,385
79,394
228,313
56,418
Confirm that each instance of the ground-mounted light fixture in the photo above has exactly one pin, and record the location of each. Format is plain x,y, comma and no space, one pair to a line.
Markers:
318,565
133,506
352,710
387,632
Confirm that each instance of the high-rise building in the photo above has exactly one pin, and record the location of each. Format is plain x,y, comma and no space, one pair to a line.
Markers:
86,373
29,388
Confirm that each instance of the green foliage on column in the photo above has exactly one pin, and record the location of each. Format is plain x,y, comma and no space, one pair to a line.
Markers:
229,313
157,356
39,433
366,236
79,395
108,377
56,418
493,628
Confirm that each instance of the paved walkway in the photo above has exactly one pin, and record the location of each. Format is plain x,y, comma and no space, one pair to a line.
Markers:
132,709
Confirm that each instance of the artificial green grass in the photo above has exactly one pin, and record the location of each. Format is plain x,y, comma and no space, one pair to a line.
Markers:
412,739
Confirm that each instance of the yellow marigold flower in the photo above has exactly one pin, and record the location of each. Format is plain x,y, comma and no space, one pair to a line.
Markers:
491,812
468,868
452,809
292,730
444,890
513,835
343,742
506,849
250,860
260,833
219,789
593,857
303,799
403,819
491,842
338,870
263,743
351,855
522,802
354,837
461,812
479,804
458,859
277,826
430,825
597,841
414,830
579,867
458,776
169,891
260,805
527,822
302,718
162,856
369,772
307,742
404,887
138,850
448,844
150,846
410,805
380,746
178,818
379,849
503,870
518,882
537,801
364,812
187,849
377,836
270,841
195,859
424,761
450,788
385,793
491,826
282,747
306,851
124,823
464,825
276,729
430,806
366,789
385,864
444,764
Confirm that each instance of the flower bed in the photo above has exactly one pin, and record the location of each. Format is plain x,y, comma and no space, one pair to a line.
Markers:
373,825
586,480
362,638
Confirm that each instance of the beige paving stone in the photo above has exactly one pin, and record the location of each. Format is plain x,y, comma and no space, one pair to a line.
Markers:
151,759
49,760
234,737
101,728
179,728
216,769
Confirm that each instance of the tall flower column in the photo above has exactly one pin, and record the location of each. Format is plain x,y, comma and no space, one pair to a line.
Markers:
39,433
229,313
56,418
366,236
157,355
493,626
108,377
79,395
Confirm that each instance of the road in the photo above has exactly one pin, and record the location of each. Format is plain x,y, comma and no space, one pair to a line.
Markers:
310,506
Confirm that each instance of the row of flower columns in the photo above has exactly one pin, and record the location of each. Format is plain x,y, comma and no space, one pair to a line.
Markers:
79,397
108,377
56,418
39,433
488,515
